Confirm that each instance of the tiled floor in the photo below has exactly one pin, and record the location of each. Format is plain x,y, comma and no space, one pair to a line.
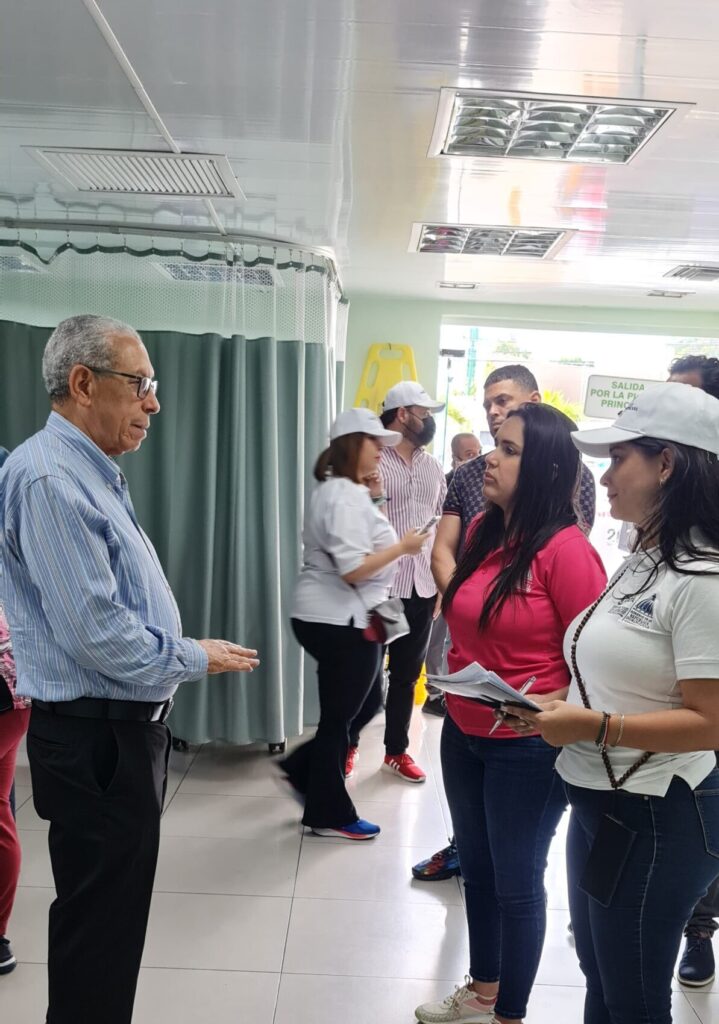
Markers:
254,922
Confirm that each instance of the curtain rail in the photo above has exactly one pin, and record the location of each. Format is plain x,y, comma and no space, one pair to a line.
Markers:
187,235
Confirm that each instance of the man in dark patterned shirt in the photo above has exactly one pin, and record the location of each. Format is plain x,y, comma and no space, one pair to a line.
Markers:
505,389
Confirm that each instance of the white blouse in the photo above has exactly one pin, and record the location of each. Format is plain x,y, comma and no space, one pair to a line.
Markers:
343,526
633,654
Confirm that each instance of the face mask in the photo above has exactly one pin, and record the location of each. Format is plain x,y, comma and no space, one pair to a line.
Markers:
426,434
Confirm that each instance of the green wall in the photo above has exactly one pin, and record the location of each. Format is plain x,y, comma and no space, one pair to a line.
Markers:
417,322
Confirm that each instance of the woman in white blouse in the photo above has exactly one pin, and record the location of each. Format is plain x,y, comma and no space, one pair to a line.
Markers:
641,721
348,565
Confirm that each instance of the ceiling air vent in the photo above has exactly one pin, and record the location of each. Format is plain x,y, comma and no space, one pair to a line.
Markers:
529,126
476,240
659,293
16,263
143,173
700,272
223,273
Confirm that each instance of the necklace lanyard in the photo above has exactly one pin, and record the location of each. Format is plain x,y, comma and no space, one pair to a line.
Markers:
616,783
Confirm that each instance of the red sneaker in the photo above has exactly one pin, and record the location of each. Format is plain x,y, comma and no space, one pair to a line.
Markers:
404,766
352,756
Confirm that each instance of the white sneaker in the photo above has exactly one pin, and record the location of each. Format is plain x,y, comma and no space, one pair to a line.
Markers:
463,1005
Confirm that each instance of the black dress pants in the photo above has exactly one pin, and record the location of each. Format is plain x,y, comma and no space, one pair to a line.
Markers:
346,667
101,785
406,657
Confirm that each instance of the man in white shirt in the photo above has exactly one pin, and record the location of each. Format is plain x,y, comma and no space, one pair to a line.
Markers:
415,489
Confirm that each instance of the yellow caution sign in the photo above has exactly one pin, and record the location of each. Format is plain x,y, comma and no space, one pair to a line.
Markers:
386,364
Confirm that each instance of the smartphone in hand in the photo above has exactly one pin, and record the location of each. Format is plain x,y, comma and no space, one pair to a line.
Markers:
429,524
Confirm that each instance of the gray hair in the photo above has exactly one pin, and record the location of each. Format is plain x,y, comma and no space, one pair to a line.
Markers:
85,339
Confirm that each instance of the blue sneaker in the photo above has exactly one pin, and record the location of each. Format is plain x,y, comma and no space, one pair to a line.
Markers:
359,829
441,865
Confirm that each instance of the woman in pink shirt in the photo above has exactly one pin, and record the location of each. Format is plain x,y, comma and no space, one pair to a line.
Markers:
526,571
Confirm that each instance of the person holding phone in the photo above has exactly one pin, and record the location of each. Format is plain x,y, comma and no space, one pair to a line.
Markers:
412,484
350,556
641,722
525,571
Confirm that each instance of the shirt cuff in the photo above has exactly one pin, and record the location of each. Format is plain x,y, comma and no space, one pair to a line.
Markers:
193,657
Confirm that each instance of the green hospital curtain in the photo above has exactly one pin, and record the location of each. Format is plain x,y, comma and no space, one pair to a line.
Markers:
219,485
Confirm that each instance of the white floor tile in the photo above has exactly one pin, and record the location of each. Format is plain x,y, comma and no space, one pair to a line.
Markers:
196,997
27,818
704,1005
23,994
408,823
236,817
381,940
385,788
35,868
559,964
28,925
366,871
234,771
555,882
223,933
22,795
196,864
317,999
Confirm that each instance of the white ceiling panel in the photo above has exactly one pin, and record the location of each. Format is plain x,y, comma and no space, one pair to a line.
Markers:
325,110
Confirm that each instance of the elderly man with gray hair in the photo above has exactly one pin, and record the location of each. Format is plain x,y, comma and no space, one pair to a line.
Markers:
99,649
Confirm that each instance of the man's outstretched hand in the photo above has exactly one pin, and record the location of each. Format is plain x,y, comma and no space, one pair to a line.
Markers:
222,656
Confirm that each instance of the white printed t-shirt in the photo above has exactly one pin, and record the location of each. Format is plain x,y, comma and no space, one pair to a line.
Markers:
343,526
632,655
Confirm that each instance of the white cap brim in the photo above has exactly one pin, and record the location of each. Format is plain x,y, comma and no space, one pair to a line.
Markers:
388,438
597,443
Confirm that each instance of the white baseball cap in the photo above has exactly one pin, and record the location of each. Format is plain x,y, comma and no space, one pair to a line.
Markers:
668,412
364,421
409,392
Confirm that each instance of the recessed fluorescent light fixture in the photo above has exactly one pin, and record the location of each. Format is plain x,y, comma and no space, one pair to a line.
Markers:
486,240
532,126
10,264
699,272
222,273
463,286
143,172
660,294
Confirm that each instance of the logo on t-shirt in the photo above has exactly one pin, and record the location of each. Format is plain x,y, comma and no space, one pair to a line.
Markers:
636,612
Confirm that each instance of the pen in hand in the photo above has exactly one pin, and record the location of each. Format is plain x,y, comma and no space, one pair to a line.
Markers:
503,714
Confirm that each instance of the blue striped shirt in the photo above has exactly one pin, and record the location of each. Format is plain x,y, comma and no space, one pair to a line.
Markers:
91,613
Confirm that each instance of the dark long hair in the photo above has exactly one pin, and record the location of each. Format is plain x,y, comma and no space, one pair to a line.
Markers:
687,503
341,458
543,505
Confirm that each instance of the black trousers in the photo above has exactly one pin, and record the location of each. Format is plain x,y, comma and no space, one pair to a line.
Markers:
406,657
101,786
346,667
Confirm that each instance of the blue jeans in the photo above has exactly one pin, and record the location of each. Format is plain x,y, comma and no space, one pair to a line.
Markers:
627,951
506,802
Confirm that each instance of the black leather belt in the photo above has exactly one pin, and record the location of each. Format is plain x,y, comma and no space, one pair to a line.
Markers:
116,710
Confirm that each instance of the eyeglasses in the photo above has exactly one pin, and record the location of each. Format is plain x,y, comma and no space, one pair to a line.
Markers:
144,384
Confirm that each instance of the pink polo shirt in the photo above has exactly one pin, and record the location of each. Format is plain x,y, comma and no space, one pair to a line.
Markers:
526,638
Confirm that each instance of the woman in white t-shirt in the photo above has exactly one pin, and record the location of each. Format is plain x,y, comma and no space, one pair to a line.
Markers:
350,550
643,840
